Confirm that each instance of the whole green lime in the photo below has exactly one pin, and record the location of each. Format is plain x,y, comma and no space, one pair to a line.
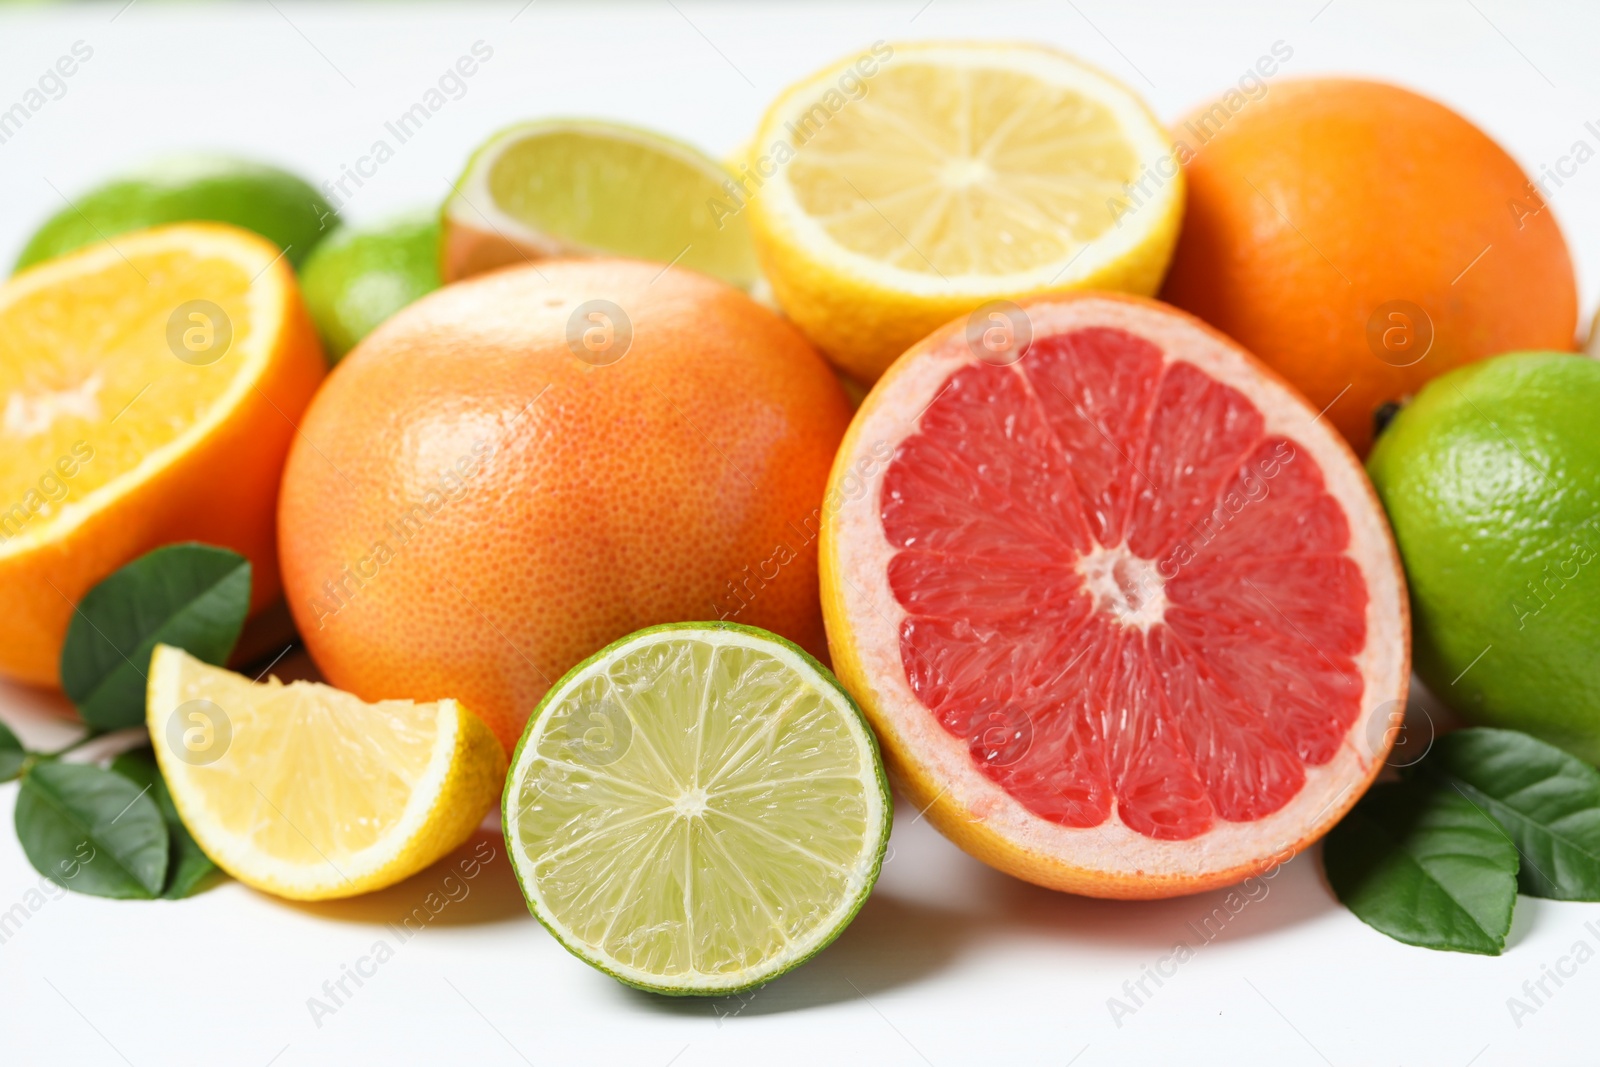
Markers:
1491,478
359,277
272,202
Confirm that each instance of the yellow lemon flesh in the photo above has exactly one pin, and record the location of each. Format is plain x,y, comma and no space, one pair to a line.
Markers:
901,188
305,791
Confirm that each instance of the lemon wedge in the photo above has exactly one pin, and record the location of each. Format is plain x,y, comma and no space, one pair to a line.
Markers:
306,792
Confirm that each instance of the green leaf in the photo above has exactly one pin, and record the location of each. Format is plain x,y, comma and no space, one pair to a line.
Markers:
1547,800
92,831
139,767
1421,864
189,866
12,754
192,596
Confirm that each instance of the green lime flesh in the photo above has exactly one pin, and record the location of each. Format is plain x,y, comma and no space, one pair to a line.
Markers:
254,196
697,809
1491,478
608,188
359,277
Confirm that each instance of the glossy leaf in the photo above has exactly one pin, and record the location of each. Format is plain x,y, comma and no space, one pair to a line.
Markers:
1423,865
92,831
12,754
1547,800
188,866
192,596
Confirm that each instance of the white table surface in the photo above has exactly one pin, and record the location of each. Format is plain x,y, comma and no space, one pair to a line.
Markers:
949,963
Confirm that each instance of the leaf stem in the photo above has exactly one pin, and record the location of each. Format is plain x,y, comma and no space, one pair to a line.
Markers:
79,743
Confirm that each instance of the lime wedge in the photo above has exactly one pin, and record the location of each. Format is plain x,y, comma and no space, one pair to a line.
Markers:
697,809
587,187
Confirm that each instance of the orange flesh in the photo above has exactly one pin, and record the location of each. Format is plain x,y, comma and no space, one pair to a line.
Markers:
90,366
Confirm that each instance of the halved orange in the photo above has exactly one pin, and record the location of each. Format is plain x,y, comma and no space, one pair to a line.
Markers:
1121,605
149,389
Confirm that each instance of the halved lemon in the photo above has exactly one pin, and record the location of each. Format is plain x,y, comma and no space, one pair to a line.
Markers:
306,792
900,188
149,388
697,809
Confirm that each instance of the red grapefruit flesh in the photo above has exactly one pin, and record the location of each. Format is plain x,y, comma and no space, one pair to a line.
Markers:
1124,611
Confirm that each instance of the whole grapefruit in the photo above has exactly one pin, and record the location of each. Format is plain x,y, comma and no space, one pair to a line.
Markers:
1362,239
521,468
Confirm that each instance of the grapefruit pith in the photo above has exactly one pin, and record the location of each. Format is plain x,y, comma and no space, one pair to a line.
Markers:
1123,610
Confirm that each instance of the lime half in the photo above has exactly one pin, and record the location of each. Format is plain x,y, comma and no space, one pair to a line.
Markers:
586,187
697,809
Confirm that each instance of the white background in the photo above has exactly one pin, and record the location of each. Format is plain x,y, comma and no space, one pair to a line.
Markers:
949,963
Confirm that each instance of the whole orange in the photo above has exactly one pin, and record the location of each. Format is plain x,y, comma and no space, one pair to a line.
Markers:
1363,239
521,468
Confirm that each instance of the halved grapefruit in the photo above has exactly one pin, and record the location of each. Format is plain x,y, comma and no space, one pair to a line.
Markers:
1122,608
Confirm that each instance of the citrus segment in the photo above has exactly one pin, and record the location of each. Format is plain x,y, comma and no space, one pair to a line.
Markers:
1144,595
953,174
309,793
696,809
148,392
